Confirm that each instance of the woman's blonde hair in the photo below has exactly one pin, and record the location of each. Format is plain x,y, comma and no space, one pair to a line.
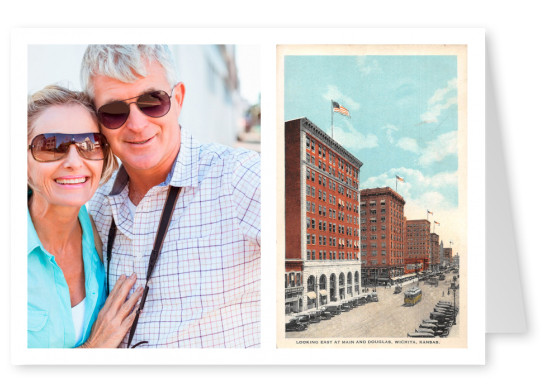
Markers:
55,95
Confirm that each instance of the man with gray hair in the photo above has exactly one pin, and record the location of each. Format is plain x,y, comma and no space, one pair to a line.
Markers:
203,273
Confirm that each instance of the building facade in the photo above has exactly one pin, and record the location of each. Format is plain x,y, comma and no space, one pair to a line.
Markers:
448,256
322,232
434,264
417,246
382,235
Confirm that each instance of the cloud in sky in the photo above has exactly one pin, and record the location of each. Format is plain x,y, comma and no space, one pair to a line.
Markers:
414,179
390,129
333,93
367,66
408,144
353,139
442,99
434,151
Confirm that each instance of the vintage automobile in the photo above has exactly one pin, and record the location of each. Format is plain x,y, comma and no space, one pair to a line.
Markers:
420,335
441,277
425,330
440,316
397,289
296,324
362,300
314,316
346,306
373,297
432,281
325,314
333,309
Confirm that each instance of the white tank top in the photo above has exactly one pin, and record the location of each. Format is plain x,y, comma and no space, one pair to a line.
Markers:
78,312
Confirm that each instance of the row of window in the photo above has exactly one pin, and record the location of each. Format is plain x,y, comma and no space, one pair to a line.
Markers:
332,213
293,279
333,255
332,227
324,181
333,159
311,239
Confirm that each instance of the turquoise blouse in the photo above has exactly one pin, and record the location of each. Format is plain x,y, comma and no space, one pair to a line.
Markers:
50,322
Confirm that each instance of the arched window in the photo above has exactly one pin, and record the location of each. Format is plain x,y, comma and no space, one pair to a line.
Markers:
323,282
311,284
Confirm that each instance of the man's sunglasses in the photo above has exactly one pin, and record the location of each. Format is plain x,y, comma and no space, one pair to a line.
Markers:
49,147
153,104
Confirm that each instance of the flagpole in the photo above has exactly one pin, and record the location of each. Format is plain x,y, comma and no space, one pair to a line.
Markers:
332,111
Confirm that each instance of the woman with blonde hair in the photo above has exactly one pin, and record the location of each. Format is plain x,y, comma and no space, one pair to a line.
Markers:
67,159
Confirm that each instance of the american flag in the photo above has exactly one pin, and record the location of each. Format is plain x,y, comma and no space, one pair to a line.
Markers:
400,178
340,109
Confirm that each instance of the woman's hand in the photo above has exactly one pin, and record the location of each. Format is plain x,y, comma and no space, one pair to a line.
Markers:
116,317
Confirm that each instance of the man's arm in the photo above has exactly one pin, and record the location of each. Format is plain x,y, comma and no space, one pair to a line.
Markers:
246,193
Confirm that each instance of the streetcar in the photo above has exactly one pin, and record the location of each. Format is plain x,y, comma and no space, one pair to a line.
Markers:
412,296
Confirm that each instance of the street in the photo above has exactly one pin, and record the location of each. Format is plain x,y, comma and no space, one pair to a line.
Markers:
386,318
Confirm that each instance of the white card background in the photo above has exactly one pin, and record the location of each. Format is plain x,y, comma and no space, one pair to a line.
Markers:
518,60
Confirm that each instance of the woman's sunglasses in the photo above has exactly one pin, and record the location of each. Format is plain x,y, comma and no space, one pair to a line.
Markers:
153,104
49,147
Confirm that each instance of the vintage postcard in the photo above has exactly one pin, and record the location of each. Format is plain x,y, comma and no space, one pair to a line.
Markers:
373,147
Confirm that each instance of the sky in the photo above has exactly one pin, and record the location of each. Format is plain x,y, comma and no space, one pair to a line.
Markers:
403,121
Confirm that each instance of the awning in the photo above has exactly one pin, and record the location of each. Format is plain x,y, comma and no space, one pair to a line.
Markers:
311,295
323,292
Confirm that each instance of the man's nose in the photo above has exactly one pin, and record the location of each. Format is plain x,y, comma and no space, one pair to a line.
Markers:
136,119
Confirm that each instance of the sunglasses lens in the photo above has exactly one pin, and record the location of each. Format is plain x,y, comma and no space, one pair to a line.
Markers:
50,147
46,148
154,104
113,115
92,146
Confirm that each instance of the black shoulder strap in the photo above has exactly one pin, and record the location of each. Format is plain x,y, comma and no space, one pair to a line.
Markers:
164,222
161,233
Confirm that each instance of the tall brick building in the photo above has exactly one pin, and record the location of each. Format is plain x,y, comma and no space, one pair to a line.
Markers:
417,246
322,242
382,234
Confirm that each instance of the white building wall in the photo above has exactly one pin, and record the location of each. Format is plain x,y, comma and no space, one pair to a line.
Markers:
211,112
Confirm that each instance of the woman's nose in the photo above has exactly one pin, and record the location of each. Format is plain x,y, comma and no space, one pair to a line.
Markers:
73,158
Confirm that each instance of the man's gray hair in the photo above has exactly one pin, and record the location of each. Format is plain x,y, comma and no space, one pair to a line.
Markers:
125,63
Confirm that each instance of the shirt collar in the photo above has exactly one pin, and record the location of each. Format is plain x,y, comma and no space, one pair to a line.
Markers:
183,173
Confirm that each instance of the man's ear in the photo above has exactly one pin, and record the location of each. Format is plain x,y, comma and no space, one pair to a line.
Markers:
179,93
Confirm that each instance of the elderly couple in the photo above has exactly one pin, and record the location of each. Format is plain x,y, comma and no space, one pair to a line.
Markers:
168,252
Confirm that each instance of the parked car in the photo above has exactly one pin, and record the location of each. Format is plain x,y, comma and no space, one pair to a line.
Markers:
325,314
314,316
334,309
373,297
346,306
296,325
425,330
420,335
